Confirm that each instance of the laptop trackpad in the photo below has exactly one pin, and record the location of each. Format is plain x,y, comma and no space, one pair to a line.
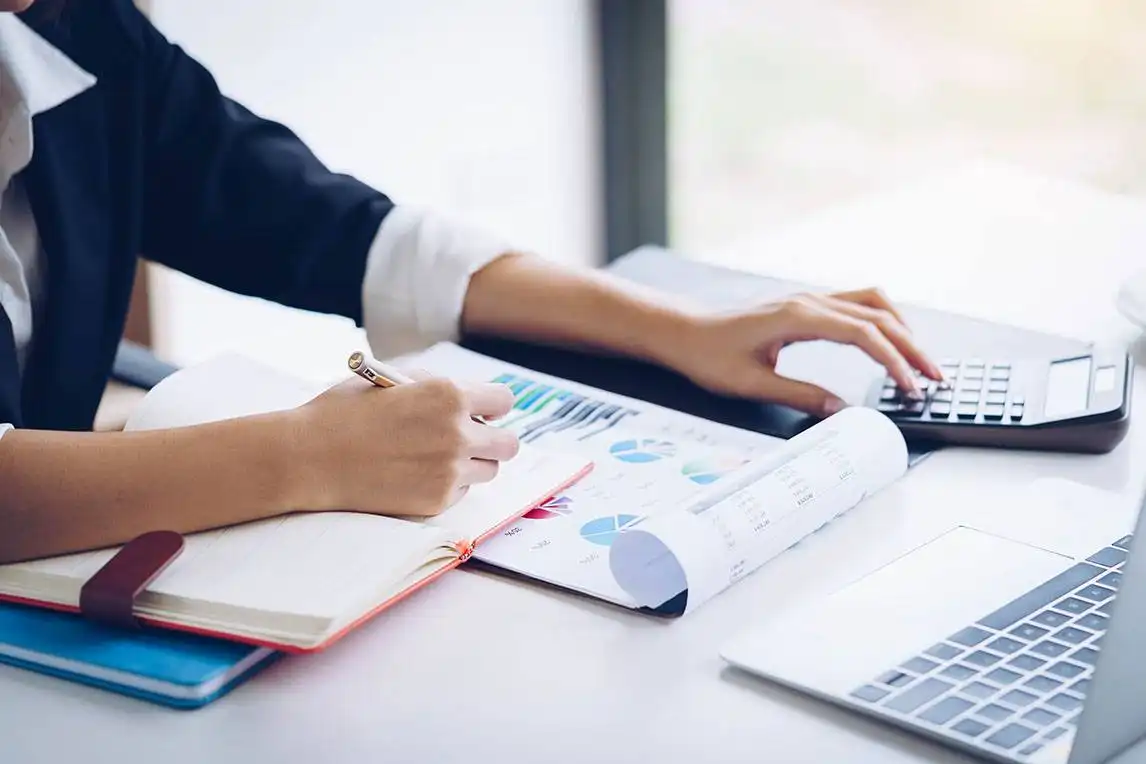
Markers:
889,616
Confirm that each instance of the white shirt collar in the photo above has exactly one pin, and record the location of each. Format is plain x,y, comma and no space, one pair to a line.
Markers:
42,76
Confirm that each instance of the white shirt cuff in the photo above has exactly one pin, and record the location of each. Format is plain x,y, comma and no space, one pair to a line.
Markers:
417,273
4,428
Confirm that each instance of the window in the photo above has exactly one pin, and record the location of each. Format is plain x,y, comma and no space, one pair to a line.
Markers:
778,108
481,108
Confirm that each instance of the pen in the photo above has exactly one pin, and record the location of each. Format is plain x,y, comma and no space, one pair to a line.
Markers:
375,371
383,375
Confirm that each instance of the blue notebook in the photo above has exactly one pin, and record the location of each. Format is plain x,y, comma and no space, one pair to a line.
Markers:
170,668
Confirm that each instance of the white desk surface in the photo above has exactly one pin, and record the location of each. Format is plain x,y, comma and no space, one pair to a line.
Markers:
481,669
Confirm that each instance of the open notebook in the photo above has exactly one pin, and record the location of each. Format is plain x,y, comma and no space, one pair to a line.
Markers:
300,581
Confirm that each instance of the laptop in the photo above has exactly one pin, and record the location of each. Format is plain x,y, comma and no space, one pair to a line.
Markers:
989,643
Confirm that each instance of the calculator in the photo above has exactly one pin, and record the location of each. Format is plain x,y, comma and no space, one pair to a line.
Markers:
1080,403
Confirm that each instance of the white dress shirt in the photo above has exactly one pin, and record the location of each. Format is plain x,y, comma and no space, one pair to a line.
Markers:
417,271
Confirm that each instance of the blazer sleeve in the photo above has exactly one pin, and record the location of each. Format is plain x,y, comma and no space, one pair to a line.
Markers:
239,201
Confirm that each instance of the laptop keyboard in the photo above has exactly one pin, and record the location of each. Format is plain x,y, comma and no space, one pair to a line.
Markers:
1016,679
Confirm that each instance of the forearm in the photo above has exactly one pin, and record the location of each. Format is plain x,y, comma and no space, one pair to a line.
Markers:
525,297
66,492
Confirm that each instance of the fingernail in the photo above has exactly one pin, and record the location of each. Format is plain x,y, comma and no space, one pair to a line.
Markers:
833,406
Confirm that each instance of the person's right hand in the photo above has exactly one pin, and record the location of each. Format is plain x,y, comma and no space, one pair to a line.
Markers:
409,450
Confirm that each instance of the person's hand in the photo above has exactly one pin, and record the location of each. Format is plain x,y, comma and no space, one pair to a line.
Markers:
736,354
409,450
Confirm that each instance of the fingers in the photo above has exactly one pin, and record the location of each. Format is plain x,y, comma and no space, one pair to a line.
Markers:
872,298
494,443
892,328
799,395
476,471
488,400
822,322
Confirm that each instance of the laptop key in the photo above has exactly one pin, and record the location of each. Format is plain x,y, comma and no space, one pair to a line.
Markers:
994,713
1002,676
1124,542
978,690
1113,580
920,665
1032,748
943,651
1018,698
1056,733
1064,702
915,696
1051,618
1096,593
1108,557
1072,635
972,728
1087,655
1043,684
981,658
945,710
1029,632
957,672
969,636
1092,621
1018,609
1073,605
1049,649
1004,645
1040,717
1066,669
1026,662
1081,686
894,678
1010,736
869,693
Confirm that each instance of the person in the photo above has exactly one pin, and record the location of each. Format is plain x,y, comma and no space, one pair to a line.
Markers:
116,143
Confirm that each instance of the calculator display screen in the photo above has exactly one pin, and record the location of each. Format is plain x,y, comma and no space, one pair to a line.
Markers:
1067,386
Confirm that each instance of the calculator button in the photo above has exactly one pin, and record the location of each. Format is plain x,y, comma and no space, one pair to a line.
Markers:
998,386
1017,400
889,394
971,384
970,398
998,373
912,408
1016,412
940,410
996,397
972,374
1001,365
943,396
974,363
993,412
967,411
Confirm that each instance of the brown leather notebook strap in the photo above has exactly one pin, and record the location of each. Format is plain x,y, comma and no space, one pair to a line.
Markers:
109,596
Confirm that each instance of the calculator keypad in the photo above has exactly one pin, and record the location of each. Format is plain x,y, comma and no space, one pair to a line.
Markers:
973,390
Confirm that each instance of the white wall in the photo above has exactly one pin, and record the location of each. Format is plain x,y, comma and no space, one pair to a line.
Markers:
482,108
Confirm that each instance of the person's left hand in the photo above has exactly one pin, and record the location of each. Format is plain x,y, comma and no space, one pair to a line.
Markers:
736,354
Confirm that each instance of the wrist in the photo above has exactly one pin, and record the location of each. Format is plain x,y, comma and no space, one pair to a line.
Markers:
670,336
296,462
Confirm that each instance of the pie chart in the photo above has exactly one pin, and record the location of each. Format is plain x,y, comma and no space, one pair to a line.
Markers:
604,530
708,470
556,506
642,450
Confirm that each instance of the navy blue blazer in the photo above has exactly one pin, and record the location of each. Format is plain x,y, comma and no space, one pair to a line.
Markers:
154,162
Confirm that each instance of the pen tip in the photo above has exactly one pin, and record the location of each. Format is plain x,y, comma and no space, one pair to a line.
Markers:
356,359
